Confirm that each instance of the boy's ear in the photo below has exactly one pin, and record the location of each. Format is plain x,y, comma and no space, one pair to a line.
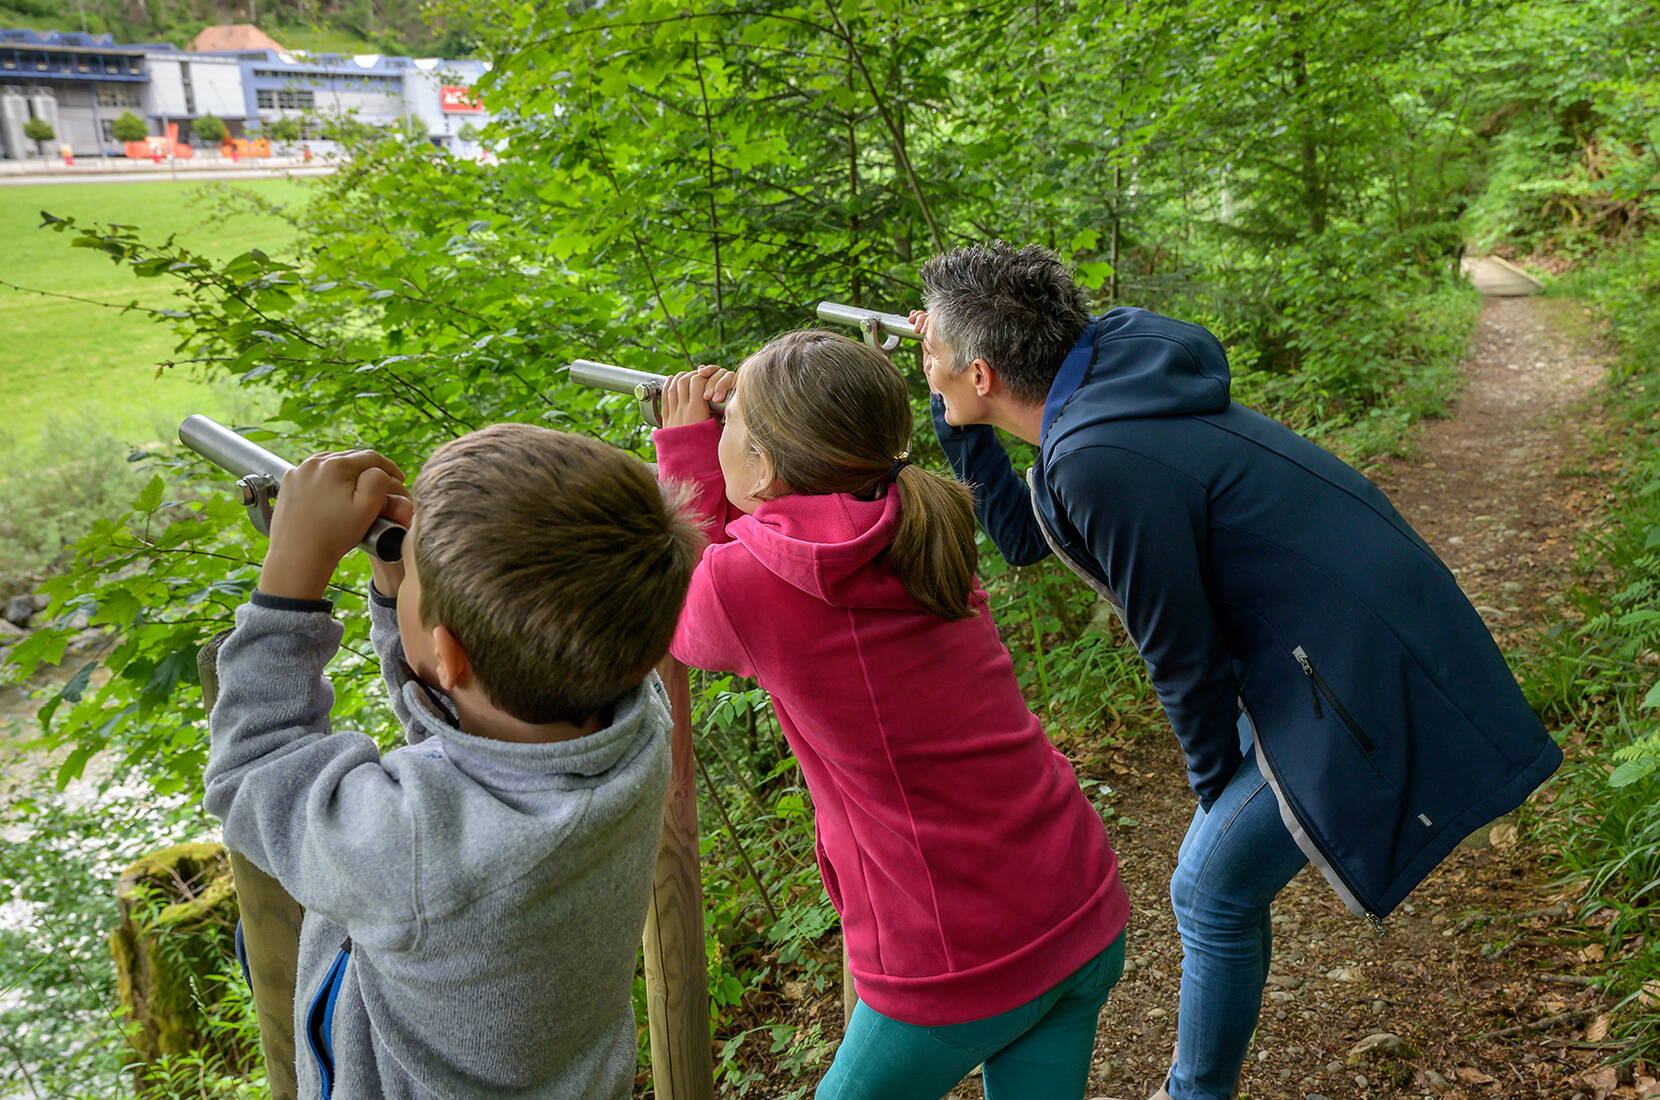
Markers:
455,670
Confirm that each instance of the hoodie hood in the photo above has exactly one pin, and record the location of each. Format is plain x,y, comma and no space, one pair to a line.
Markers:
1132,363
829,545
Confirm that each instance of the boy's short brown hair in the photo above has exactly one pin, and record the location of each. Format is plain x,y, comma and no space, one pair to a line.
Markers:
557,562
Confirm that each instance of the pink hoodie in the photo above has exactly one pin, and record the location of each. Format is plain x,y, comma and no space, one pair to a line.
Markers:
971,873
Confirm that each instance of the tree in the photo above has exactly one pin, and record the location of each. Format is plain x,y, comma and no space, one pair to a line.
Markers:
39,131
129,127
210,129
284,128
468,132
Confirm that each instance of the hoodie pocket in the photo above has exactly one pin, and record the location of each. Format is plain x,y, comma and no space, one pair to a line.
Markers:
827,871
319,1017
1318,689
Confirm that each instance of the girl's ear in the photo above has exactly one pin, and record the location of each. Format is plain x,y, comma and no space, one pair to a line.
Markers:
767,486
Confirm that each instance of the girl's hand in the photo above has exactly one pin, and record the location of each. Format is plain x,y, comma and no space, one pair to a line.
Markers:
687,397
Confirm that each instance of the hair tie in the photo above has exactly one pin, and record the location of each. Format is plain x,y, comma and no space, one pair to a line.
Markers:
898,464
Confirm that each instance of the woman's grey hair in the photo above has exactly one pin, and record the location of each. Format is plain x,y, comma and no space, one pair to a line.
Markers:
1019,309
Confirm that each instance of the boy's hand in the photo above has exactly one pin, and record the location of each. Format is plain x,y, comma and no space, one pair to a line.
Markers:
686,397
324,508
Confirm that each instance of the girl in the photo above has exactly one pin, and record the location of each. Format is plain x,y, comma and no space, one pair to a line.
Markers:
979,895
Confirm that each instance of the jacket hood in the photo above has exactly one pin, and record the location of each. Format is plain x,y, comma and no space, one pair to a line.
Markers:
1133,363
830,545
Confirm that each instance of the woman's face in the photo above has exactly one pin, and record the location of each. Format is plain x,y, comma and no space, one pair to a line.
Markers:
747,471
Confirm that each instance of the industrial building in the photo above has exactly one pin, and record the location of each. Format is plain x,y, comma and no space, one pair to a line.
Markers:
80,83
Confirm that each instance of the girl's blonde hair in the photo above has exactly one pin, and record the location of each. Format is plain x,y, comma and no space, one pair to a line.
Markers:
832,415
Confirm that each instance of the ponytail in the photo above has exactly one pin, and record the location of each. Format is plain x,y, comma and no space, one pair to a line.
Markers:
934,552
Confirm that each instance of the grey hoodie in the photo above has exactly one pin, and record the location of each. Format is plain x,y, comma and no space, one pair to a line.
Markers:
479,902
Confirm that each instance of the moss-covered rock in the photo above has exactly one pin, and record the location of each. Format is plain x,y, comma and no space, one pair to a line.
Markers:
178,921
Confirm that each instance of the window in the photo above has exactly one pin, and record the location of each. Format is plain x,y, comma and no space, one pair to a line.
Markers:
303,101
109,130
266,98
114,95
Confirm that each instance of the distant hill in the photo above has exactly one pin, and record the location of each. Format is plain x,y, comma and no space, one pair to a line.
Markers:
320,26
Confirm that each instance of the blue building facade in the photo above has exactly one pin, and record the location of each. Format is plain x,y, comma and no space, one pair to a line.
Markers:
79,83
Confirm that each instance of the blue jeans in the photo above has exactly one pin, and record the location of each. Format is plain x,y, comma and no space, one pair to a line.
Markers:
1235,859
1039,1051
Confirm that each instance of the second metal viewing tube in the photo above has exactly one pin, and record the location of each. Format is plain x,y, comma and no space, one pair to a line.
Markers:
646,387
882,331
259,473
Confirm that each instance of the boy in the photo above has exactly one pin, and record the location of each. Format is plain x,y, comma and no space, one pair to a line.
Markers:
474,899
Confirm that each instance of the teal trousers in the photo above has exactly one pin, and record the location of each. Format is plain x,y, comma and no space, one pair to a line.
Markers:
1039,1051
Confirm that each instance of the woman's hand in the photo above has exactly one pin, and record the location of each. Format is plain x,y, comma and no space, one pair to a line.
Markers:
687,397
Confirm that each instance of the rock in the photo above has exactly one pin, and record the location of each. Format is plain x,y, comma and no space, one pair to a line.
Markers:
1361,1081
10,633
1334,1067
1280,996
19,610
1377,1047
1435,1081
41,601
1345,974
1156,1014
1285,981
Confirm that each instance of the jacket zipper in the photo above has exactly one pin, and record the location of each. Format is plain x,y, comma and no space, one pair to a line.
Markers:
1317,687
1373,921
320,1017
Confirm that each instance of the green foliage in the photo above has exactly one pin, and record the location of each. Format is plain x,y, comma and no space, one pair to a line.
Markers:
1575,147
60,856
210,129
1605,675
129,127
55,489
39,131
284,128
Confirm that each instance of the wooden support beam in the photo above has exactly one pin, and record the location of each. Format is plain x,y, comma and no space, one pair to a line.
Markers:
677,976
270,933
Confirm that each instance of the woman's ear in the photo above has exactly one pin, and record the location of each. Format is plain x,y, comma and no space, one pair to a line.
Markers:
455,670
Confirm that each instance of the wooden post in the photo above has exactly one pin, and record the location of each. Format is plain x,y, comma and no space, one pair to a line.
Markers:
850,997
270,933
677,977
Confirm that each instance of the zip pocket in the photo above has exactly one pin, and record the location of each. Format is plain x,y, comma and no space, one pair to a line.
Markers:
319,1020
1317,687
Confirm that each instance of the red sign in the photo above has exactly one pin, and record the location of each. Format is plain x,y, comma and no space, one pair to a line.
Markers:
459,100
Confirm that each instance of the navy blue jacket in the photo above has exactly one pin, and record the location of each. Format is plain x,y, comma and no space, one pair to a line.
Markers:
1254,569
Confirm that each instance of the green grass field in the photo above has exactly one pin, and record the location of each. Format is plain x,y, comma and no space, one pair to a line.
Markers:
72,362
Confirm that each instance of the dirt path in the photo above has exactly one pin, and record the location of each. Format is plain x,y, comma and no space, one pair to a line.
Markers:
1499,490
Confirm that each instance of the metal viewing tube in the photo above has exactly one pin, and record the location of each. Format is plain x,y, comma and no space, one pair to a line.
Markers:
646,387
259,474
882,331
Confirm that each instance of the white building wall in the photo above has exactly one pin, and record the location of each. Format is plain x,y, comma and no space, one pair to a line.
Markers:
165,95
218,88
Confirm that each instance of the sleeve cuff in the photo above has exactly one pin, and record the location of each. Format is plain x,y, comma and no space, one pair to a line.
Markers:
383,601
288,603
